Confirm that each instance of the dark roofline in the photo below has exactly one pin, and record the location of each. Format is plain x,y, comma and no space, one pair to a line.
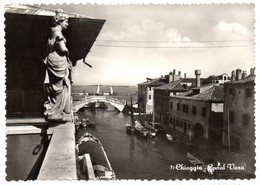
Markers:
249,78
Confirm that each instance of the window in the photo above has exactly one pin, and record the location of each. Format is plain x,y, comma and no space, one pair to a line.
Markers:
187,109
194,110
178,106
204,111
188,126
170,120
150,97
231,117
248,92
181,124
235,143
246,119
185,126
232,92
225,78
171,105
183,108
177,122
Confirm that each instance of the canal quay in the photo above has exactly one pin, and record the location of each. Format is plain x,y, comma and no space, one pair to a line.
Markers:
66,119
133,156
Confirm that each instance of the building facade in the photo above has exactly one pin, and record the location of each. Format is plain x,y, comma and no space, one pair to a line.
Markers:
238,125
146,93
162,94
198,113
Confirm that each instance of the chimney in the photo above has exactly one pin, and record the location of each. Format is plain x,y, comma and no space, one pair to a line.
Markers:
238,74
233,75
184,75
197,73
252,71
170,77
244,74
179,74
174,76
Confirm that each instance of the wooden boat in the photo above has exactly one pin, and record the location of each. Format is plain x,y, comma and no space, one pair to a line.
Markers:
194,160
88,123
99,165
170,138
141,129
130,127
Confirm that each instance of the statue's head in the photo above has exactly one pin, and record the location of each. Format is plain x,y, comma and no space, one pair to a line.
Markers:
61,19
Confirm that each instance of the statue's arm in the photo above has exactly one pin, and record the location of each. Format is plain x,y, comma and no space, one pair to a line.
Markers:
61,44
62,47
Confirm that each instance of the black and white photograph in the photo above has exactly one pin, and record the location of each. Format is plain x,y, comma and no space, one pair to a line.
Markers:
110,92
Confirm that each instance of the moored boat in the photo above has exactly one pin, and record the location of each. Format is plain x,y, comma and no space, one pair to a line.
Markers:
170,138
100,167
141,129
87,122
194,159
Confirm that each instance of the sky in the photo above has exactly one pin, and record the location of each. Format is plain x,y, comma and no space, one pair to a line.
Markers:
139,41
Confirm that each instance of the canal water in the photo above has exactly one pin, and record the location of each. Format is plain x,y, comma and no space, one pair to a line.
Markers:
132,156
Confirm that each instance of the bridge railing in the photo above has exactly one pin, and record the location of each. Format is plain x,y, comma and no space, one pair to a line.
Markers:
109,99
114,100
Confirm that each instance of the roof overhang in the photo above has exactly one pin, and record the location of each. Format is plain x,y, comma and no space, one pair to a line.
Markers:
30,28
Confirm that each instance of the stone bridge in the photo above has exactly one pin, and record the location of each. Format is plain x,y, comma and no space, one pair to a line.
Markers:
119,104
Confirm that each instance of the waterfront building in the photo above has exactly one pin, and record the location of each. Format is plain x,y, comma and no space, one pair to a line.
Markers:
162,93
28,133
198,112
146,93
238,126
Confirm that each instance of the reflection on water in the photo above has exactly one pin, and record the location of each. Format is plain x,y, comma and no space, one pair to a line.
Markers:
132,156
132,149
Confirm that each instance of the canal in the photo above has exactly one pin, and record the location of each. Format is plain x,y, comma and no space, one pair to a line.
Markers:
132,156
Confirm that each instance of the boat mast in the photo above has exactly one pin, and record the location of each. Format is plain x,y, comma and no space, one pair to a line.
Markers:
98,89
132,114
153,114
111,90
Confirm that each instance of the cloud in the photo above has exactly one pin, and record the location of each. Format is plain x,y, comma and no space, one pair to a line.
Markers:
231,31
147,30
232,27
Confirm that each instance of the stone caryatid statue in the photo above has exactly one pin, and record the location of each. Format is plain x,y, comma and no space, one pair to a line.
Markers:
57,81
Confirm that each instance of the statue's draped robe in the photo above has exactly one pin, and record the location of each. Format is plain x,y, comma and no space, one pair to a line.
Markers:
57,82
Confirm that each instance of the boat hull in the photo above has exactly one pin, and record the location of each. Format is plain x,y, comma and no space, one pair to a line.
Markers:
88,144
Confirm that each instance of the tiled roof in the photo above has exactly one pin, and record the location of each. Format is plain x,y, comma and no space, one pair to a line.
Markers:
177,85
211,78
170,86
213,92
216,93
154,82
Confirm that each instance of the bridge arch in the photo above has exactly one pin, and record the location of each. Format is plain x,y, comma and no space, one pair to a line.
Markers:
118,104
